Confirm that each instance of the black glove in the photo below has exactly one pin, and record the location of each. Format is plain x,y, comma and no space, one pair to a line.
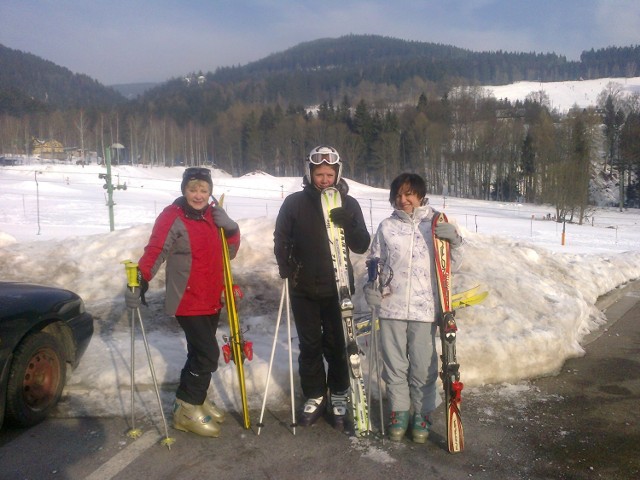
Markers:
342,217
286,269
144,286
284,272
447,231
222,220
289,270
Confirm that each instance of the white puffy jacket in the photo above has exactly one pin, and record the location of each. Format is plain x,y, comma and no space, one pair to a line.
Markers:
404,245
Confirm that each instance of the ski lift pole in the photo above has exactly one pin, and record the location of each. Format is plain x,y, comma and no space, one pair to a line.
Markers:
109,187
131,269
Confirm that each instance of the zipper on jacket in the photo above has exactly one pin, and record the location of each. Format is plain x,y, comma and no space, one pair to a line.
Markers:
408,294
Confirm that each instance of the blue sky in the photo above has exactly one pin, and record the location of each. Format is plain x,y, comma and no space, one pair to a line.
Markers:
123,41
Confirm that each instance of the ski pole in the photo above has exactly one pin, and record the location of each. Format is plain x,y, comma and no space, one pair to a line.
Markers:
284,300
375,355
132,282
293,401
167,441
372,270
374,366
134,432
273,351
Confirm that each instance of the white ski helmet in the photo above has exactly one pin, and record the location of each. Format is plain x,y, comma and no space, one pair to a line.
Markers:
323,154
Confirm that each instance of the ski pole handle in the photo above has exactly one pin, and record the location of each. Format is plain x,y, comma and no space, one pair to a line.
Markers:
372,269
131,269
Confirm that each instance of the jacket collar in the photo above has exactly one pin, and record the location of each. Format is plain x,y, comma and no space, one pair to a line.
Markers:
341,186
420,213
190,212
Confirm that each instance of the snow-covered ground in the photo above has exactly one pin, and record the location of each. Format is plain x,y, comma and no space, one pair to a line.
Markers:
565,95
54,229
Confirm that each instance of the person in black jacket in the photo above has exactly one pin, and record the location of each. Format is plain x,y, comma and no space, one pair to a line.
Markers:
301,247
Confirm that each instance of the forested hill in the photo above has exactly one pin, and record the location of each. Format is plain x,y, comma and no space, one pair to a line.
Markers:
387,69
351,51
391,60
377,69
29,83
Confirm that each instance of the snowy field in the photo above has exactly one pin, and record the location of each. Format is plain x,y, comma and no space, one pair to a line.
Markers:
540,304
565,95
54,229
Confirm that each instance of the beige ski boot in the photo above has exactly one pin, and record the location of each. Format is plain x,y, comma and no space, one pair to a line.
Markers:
214,411
194,418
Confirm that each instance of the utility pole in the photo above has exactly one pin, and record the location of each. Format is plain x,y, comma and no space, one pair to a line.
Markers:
108,186
35,176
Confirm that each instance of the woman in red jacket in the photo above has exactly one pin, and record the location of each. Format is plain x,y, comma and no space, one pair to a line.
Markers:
186,235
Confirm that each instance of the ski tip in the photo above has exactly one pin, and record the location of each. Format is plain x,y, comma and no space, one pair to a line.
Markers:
439,218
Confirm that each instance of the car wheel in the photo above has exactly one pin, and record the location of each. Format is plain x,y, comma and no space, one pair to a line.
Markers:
36,380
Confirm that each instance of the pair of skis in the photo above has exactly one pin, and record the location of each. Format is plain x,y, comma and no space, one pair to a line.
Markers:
450,369
235,347
358,399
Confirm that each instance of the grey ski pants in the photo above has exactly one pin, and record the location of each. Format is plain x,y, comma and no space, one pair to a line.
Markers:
410,365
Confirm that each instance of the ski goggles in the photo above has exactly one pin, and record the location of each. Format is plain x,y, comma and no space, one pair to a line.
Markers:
330,157
199,173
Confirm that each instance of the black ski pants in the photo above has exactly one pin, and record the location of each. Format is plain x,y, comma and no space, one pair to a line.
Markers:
202,357
319,326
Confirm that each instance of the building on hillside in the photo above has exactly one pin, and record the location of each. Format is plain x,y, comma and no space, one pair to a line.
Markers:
48,149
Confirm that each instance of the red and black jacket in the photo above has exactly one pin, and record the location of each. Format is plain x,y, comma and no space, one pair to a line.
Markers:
190,243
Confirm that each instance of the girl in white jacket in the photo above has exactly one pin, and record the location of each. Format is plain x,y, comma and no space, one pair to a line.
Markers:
407,303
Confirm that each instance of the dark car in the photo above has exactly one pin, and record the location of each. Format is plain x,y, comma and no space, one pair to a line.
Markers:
42,330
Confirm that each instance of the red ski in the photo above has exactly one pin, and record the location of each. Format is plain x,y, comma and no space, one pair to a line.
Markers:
450,369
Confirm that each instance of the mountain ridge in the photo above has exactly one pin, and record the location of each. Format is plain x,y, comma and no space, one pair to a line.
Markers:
315,71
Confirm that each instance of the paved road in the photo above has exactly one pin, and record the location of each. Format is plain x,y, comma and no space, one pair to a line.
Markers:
581,424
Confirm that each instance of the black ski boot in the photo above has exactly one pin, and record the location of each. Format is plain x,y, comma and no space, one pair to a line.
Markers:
312,411
339,410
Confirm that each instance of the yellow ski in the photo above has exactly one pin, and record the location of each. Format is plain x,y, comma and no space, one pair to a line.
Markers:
236,341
